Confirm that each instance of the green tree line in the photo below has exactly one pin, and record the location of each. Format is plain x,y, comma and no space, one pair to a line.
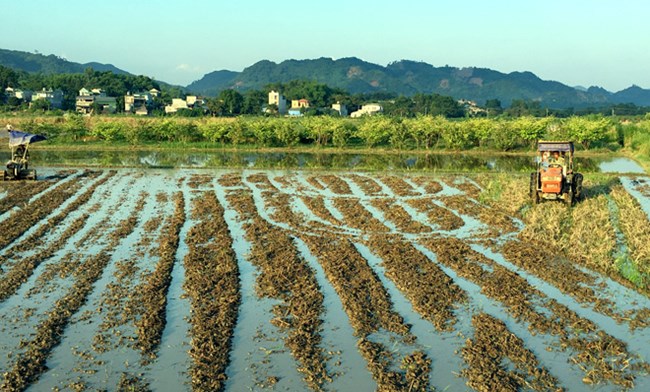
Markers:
420,132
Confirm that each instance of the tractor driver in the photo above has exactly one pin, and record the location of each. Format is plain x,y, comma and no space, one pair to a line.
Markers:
557,159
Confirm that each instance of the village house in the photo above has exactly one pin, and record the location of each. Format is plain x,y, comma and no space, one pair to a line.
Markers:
471,108
297,107
89,101
190,102
340,108
277,99
176,105
138,103
25,95
294,112
299,103
193,101
367,110
54,97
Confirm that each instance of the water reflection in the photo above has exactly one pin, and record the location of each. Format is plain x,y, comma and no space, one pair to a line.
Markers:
298,160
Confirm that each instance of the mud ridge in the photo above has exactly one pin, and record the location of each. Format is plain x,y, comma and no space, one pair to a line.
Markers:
212,284
286,277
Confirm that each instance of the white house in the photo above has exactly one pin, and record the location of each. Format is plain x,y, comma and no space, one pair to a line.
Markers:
177,104
368,110
55,97
25,95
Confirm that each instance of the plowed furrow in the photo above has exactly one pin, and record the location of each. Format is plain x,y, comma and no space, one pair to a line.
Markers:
153,292
357,216
212,284
287,277
486,353
317,206
432,293
23,269
492,217
544,315
31,363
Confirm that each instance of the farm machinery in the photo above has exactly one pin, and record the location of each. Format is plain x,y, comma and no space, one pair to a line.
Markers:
554,178
18,165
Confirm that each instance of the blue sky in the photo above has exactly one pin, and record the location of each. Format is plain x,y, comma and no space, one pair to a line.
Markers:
577,42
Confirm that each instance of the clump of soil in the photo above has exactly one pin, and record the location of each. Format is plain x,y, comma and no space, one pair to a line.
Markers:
398,215
335,184
469,189
430,185
442,217
495,219
399,186
132,383
357,216
230,180
367,184
313,181
317,206
199,180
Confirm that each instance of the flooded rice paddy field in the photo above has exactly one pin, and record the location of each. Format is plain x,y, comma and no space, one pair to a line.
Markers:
190,279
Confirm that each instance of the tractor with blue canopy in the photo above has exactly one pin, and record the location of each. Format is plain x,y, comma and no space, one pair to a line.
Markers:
18,165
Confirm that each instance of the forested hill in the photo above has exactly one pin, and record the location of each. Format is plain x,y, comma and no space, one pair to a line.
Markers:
51,64
357,76
410,77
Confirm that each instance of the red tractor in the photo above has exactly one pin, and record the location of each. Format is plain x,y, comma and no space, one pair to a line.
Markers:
554,178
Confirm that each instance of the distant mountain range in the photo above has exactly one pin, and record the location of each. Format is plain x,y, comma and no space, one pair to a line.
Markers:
410,77
357,76
38,63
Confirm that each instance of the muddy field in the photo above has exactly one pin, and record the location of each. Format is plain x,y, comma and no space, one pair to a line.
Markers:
296,280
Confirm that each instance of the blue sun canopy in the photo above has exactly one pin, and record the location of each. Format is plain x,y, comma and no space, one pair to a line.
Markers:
16,138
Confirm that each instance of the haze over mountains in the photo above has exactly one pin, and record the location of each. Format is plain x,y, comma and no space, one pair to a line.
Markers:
357,76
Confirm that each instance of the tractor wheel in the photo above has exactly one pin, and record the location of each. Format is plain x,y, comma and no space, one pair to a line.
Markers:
31,175
577,186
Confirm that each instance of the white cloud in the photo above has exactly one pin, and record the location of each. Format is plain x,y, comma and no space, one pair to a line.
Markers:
188,68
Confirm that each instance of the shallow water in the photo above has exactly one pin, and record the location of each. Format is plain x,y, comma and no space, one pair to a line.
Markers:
258,350
437,162
620,165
